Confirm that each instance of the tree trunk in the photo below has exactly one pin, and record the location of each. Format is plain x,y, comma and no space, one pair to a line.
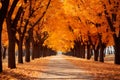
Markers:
116,39
46,51
33,51
36,50
101,56
0,52
77,49
88,52
43,51
3,12
83,50
102,47
4,52
80,51
96,53
117,50
20,51
74,50
27,46
11,50
11,28
102,52
40,51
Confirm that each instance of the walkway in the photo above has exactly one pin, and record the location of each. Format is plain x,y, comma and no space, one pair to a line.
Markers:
61,69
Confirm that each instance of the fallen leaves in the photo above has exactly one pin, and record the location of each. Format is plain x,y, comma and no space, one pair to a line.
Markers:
26,71
104,71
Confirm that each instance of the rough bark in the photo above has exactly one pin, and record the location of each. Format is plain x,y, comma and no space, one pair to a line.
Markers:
11,28
117,50
102,47
96,53
102,52
33,51
36,49
27,46
20,51
11,50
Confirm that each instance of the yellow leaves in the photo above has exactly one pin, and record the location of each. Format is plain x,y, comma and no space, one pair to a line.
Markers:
64,13
93,29
60,40
108,39
69,8
20,3
16,9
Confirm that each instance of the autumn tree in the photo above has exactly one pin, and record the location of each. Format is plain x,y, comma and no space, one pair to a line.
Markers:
91,19
112,14
3,10
33,23
12,20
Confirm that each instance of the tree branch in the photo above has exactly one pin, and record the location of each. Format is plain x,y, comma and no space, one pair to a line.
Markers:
41,16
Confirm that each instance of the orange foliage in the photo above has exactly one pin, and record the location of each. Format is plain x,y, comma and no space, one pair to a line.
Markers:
82,16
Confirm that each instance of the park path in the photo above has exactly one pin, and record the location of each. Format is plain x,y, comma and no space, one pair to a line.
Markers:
60,69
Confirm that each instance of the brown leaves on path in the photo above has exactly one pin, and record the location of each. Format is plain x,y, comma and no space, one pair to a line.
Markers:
26,71
101,71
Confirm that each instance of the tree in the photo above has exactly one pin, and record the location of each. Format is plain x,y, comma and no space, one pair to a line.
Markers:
3,11
11,28
112,14
33,24
4,52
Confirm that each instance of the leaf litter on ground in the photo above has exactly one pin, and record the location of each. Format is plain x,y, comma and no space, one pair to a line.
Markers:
27,71
99,70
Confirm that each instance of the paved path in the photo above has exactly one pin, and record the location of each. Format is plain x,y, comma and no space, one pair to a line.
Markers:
61,69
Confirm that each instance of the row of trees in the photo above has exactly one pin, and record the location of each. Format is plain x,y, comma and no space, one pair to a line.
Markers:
90,25
99,26
60,25
24,21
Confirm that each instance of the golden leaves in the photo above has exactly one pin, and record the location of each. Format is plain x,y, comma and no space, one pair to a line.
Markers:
60,40
81,15
69,9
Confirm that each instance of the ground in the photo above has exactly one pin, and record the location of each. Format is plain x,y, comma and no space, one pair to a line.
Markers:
62,67
99,70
